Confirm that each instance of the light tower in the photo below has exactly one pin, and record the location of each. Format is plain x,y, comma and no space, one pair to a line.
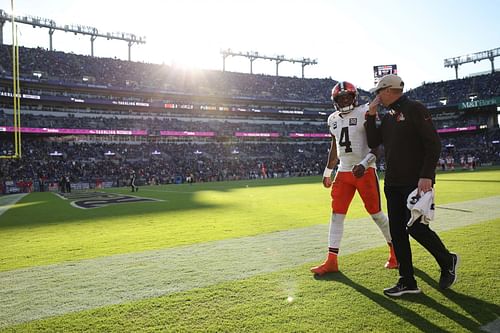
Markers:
74,28
252,56
474,57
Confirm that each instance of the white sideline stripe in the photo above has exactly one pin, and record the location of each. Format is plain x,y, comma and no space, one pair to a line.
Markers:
8,201
168,191
39,292
493,327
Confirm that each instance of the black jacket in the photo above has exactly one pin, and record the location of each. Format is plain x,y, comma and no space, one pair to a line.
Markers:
411,143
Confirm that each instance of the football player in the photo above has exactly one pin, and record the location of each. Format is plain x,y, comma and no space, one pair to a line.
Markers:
356,171
132,181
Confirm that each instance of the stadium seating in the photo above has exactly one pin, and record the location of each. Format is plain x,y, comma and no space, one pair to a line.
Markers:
222,156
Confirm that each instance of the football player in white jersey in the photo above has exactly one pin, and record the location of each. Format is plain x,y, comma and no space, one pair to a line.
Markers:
356,171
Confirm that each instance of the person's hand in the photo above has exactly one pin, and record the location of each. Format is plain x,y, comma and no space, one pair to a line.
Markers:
327,182
372,108
358,170
424,185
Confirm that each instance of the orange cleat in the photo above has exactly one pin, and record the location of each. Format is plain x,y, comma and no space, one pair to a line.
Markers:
392,262
329,266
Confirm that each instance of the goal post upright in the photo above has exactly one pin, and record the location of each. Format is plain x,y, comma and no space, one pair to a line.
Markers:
16,97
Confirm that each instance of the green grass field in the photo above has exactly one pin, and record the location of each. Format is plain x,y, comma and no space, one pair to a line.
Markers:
235,256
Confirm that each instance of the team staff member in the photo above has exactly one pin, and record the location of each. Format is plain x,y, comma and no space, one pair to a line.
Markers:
356,173
412,149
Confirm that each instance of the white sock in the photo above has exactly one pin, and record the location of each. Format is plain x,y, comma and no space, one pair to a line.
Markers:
336,230
383,223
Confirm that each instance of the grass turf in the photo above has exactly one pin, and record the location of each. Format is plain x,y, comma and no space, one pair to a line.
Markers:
293,301
44,229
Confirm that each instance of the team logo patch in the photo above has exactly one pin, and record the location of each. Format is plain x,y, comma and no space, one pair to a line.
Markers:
334,125
88,200
353,121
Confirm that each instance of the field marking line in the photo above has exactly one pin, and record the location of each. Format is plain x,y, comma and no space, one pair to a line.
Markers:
167,191
43,291
491,327
8,201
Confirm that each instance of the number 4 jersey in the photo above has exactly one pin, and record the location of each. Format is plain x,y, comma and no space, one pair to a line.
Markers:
350,135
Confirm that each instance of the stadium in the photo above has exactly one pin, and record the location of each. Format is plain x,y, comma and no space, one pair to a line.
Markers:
229,212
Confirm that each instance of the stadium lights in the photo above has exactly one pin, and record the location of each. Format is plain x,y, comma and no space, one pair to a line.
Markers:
253,55
475,57
74,28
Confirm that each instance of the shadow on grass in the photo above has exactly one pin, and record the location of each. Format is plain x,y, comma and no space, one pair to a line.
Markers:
43,208
412,317
482,311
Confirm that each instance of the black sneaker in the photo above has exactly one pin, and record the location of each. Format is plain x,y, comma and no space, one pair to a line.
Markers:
400,289
449,276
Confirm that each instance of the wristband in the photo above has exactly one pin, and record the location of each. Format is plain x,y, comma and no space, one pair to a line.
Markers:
370,157
327,172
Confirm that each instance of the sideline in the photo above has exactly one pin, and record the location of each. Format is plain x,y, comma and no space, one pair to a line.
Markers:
42,291
9,200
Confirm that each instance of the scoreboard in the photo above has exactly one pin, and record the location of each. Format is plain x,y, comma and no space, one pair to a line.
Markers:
382,70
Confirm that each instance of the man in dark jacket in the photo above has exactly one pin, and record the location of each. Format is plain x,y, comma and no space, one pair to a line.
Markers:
412,148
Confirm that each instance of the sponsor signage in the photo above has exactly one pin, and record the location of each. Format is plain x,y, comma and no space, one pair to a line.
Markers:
78,131
457,129
186,133
479,103
309,135
265,135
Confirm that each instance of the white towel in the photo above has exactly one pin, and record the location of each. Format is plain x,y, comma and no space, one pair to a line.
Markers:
421,204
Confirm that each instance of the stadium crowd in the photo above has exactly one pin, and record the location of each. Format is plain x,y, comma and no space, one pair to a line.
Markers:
161,163
48,158
113,73
67,68
154,124
457,91
51,158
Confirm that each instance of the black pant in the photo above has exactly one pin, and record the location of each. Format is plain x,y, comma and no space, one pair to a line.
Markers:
399,216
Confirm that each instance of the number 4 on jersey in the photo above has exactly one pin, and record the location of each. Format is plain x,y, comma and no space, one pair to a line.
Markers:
344,140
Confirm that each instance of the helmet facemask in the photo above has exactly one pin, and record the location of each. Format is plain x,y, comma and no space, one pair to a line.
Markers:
345,102
344,97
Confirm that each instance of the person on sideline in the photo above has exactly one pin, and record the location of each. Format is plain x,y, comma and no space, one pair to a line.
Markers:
133,177
357,171
412,148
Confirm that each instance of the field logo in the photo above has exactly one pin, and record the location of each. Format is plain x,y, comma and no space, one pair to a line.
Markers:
88,200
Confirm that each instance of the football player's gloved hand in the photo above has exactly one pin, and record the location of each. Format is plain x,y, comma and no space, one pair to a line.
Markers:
358,170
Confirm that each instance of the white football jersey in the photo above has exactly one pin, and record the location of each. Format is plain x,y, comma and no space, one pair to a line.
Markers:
350,136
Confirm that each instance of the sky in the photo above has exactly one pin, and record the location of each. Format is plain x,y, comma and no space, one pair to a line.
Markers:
347,38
